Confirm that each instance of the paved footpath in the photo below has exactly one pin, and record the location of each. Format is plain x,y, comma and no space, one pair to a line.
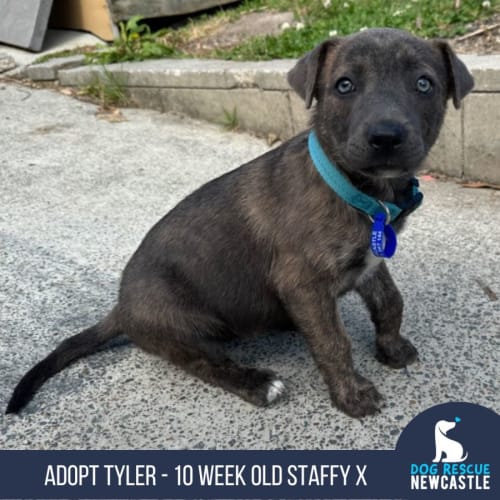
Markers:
78,193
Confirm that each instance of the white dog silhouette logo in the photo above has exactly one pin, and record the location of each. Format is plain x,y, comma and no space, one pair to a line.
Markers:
453,450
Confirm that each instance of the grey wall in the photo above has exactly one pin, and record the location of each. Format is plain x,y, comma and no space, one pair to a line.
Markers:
24,22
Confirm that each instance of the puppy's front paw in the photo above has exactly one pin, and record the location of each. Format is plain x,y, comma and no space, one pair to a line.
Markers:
396,353
357,397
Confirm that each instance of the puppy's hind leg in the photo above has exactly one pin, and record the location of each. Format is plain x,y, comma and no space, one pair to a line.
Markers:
171,318
207,361
189,336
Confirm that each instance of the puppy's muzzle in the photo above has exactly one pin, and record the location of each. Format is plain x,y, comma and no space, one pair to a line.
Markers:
384,137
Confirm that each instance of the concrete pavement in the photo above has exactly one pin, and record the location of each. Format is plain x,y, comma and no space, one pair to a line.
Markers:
78,194
56,40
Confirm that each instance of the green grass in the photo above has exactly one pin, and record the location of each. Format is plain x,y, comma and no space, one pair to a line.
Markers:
231,119
62,53
319,19
426,18
107,90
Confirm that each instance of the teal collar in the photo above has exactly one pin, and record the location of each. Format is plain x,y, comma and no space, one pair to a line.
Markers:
381,213
353,196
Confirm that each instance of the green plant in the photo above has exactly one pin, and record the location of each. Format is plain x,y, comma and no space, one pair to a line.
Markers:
135,43
230,119
107,89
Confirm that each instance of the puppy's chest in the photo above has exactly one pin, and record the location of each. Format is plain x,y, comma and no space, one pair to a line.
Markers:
360,263
371,263
357,271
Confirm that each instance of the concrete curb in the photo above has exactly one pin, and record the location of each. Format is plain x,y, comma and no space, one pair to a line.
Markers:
259,94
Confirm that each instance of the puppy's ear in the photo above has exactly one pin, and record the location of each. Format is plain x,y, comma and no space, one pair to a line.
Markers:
460,81
303,77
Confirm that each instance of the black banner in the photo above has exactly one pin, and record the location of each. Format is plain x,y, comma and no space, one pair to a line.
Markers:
194,474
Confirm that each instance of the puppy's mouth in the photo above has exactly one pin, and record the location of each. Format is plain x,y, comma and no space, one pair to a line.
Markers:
386,170
397,162
391,166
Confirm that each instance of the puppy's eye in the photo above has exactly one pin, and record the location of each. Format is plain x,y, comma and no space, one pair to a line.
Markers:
344,86
424,85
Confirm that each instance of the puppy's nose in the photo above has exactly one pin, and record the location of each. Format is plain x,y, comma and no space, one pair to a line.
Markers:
384,136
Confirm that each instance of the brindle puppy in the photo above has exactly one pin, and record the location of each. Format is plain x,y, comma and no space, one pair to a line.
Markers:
270,246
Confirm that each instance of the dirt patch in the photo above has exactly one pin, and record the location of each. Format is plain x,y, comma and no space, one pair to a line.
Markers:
482,38
222,34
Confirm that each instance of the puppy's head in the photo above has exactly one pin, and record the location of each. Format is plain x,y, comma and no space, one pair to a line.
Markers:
381,97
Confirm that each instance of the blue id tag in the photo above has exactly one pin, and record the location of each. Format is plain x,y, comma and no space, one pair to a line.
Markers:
383,240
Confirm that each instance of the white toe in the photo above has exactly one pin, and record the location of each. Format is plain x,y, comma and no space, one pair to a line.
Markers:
275,390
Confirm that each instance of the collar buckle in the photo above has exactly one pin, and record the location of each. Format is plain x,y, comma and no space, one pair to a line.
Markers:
388,217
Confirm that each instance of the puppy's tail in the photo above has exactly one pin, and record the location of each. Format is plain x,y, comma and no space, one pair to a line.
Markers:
71,349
